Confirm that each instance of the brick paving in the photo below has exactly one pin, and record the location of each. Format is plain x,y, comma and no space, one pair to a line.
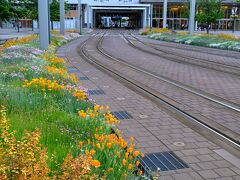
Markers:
224,118
153,128
221,84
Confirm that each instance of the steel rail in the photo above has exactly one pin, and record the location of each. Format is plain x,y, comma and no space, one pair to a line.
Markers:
195,61
218,100
227,139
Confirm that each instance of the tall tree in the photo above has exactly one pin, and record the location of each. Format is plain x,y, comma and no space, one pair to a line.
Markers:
19,8
54,11
5,11
209,11
32,5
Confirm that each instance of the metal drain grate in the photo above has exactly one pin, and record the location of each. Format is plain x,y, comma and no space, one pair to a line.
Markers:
96,92
164,161
83,78
72,70
122,115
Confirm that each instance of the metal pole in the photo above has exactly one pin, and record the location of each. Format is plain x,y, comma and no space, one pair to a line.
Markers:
192,16
80,16
164,13
62,17
49,21
88,17
43,23
151,15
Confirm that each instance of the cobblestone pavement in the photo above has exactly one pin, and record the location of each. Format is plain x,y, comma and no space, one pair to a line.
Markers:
153,128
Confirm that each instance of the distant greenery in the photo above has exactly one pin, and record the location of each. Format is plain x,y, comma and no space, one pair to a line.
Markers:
209,11
5,12
17,9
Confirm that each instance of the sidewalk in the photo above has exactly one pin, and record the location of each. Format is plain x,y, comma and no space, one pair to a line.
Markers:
8,33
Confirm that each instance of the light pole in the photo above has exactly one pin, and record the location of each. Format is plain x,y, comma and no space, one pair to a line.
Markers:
151,14
234,16
43,16
80,16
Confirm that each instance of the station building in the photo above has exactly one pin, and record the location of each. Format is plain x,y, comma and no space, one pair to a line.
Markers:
144,12
93,10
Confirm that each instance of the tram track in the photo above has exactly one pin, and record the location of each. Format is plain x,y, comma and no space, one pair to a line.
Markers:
211,97
225,136
180,58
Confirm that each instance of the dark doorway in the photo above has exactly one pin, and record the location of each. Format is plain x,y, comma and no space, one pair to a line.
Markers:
117,19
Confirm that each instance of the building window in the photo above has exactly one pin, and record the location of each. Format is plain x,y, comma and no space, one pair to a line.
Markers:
72,6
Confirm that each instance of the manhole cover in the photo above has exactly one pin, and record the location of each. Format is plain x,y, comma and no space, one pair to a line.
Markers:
163,161
96,92
143,116
83,78
120,98
122,115
179,144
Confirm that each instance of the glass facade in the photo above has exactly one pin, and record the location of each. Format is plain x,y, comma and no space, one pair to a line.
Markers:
177,16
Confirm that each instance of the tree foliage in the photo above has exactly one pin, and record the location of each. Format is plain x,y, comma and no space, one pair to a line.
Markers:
5,10
54,10
209,11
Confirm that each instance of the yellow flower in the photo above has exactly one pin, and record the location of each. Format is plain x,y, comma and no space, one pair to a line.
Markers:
96,163
137,163
109,145
131,139
82,114
124,162
129,149
89,158
130,166
98,145
142,155
96,108
110,170
126,155
136,153
80,144
87,152
92,152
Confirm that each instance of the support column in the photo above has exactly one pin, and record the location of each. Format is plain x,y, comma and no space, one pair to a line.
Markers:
164,13
80,16
151,15
192,16
62,17
144,18
43,23
88,18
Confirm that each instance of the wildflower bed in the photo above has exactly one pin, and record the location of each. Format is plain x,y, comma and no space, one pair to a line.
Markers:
49,127
220,41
